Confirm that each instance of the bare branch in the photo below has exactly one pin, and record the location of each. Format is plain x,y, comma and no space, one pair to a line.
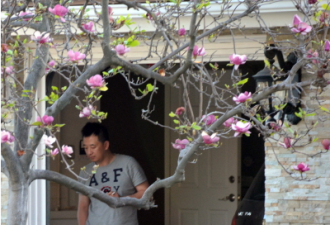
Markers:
32,145
144,202
13,165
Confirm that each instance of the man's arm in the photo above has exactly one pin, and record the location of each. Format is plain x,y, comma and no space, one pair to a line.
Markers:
83,206
140,189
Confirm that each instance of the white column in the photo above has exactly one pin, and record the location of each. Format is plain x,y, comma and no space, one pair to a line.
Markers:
37,191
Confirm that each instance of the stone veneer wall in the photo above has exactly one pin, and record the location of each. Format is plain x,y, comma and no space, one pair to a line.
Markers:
292,202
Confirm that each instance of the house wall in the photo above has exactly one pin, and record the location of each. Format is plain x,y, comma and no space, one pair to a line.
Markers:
292,202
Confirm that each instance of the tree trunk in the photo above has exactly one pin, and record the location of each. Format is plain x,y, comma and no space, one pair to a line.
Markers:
17,204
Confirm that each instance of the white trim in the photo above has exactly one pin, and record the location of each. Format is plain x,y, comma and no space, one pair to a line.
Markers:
121,9
267,7
37,209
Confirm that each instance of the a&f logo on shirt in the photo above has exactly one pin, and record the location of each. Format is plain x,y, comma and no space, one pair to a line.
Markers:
104,178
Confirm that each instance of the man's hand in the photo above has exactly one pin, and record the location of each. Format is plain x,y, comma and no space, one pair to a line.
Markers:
113,194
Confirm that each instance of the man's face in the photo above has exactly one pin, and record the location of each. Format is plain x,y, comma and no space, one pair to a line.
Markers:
95,150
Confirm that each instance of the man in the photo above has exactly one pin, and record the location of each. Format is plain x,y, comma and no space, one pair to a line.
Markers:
116,175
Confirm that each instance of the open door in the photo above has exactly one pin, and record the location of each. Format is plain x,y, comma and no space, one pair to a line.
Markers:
209,193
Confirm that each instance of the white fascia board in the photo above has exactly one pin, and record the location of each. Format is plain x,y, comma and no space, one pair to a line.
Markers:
213,8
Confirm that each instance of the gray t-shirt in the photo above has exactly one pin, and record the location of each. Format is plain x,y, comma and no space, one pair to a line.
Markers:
121,176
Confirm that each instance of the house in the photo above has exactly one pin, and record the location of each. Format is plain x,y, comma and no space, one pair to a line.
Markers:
201,199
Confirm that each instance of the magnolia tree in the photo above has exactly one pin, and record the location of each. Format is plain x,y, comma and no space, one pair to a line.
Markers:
63,39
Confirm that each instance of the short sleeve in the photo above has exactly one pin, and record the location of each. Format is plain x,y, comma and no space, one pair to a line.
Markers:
136,172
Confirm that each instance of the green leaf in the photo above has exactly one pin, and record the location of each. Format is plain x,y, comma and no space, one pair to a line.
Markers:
142,92
59,125
172,114
315,139
196,127
64,88
241,82
91,94
9,52
150,87
54,88
176,121
311,114
298,114
324,109
326,7
36,123
229,64
134,43
267,64
78,107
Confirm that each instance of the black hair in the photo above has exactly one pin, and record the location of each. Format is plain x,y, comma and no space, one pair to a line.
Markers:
97,129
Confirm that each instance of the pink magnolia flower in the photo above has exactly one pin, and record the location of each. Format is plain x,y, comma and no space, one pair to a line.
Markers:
121,49
89,26
179,111
229,122
27,13
9,70
110,12
299,26
180,144
326,144
241,128
54,152
95,81
4,47
6,137
67,150
42,38
76,56
246,96
312,1
274,126
150,17
181,32
208,120
60,11
86,112
47,120
315,54
287,142
198,51
210,139
50,64
327,46
324,16
301,167
48,140
237,60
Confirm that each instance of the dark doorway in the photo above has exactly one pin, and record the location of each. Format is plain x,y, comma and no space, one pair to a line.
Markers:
131,135
252,148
